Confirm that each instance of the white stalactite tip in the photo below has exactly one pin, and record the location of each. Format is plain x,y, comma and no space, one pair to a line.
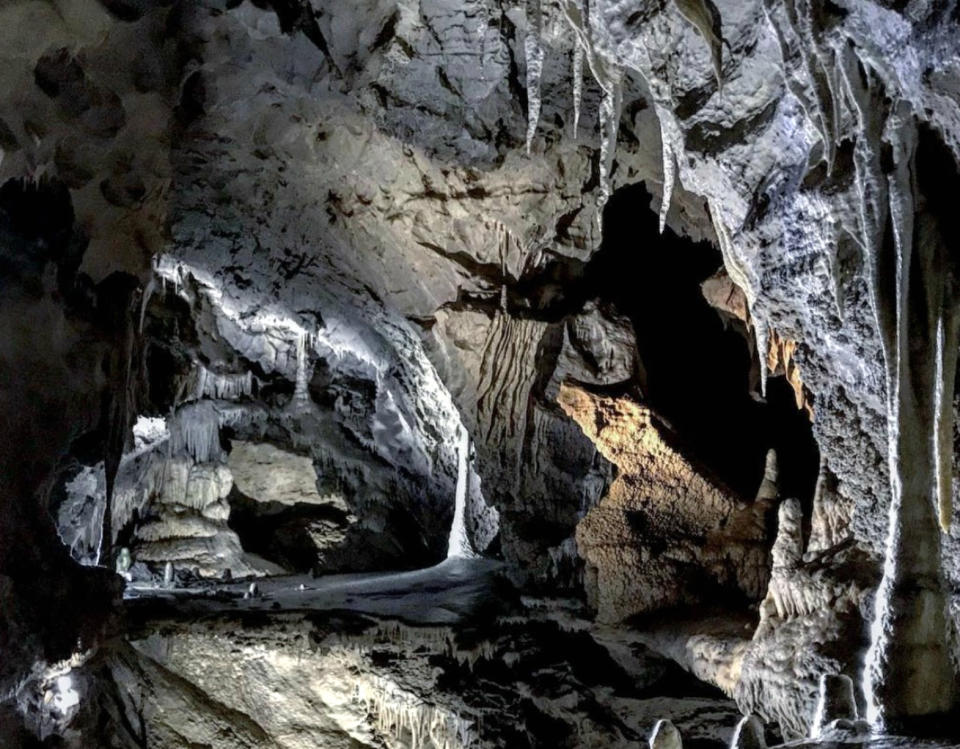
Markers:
763,345
533,54
577,86
609,116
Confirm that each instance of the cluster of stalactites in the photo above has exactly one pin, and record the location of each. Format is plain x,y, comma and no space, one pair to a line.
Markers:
403,718
701,14
608,75
908,670
222,386
195,431
844,87
889,200
803,44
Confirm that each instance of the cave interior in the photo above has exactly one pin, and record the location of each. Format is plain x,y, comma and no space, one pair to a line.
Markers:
453,374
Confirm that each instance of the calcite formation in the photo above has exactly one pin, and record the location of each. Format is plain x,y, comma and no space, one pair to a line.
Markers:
311,287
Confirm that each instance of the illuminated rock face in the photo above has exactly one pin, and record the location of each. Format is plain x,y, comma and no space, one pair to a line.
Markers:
666,534
268,474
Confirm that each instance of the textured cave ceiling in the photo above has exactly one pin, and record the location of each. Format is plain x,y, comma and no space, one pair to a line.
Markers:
474,373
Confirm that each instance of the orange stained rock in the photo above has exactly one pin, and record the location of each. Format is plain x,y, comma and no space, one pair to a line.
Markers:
663,522
780,360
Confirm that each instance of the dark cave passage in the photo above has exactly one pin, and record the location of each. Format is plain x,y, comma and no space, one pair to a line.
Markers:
697,368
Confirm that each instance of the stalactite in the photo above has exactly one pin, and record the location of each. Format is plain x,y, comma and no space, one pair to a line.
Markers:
803,28
301,395
819,64
762,334
611,104
397,634
195,431
867,104
948,334
609,75
142,477
221,386
669,173
737,270
405,719
145,300
577,85
533,52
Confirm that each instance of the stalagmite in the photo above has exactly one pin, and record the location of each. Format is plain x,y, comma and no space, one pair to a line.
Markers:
168,575
749,734
577,85
831,518
665,736
835,701
785,556
769,489
459,542
533,52
124,562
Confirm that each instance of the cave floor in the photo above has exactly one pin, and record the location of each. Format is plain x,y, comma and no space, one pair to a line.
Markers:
378,659
459,619
873,742
452,591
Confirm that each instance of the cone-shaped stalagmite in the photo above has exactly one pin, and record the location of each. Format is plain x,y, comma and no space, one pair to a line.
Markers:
836,702
749,734
665,736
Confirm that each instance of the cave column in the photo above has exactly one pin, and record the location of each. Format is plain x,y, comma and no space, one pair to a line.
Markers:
910,672
909,675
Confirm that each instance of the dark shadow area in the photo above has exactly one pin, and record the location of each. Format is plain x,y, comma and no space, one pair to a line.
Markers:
697,369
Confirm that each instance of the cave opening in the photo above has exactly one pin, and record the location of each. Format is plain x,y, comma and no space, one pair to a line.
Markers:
697,366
